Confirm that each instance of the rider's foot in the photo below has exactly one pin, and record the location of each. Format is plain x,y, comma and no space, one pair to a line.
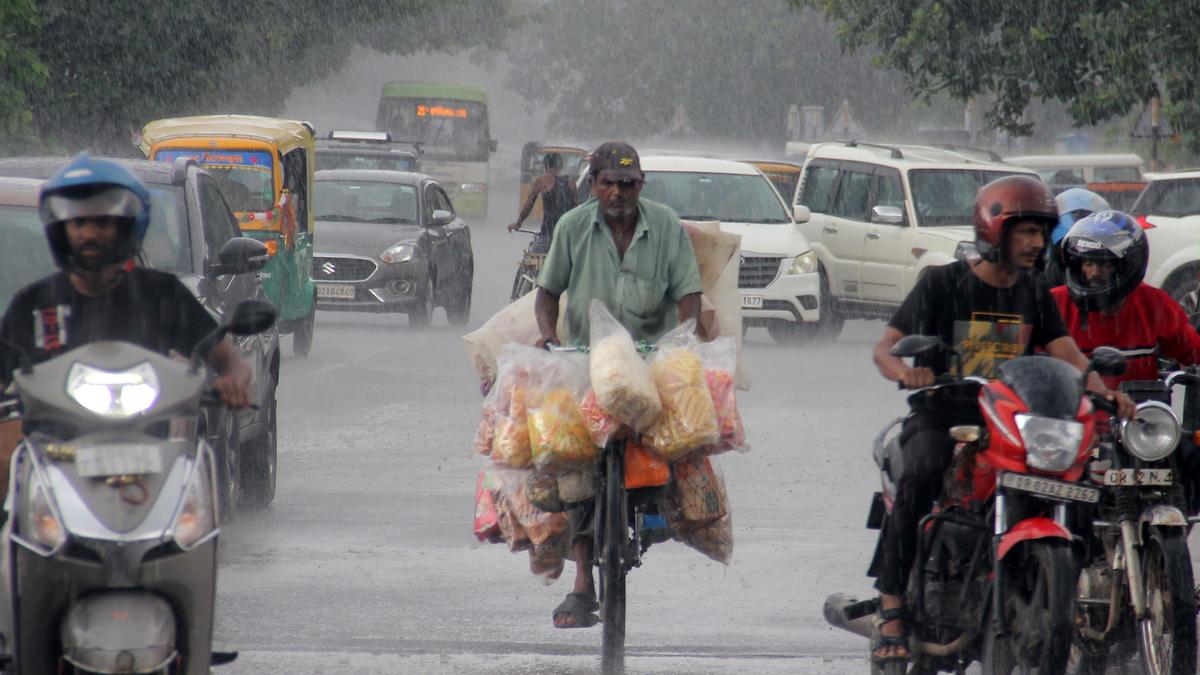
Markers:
893,631
576,611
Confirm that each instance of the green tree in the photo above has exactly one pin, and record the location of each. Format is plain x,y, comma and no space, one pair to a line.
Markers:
1100,58
23,72
622,67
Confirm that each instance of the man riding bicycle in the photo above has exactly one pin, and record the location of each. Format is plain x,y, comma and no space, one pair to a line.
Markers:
633,255
558,197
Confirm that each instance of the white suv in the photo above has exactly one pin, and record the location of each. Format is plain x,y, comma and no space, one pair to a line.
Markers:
777,280
1169,209
878,216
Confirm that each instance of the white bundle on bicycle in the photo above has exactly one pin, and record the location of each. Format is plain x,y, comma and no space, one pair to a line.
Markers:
515,324
620,378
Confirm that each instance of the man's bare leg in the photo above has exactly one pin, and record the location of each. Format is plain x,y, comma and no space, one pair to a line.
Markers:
584,583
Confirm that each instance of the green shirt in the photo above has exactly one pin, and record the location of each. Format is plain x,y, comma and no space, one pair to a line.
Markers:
642,290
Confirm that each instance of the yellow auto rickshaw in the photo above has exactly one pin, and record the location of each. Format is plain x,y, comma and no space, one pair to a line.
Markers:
264,168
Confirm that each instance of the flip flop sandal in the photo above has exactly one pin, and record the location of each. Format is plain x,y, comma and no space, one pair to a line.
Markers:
580,607
880,641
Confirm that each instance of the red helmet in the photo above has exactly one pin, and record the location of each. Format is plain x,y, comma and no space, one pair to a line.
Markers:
1005,200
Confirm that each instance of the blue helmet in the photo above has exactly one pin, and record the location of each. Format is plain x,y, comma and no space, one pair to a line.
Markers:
94,188
1074,204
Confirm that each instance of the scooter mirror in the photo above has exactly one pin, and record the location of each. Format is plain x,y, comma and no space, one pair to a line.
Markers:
1107,361
911,345
250,317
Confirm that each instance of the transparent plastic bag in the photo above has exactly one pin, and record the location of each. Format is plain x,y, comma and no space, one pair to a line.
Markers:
507,405
601,426
577,486
487,521
547,560
542,489
720,365
514,324
558,435
688,421
620,378
699,513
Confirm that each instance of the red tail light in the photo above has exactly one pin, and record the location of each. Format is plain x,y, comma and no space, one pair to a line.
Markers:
1144,221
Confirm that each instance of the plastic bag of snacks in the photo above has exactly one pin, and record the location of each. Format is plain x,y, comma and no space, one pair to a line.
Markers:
487,522
600,425
620,377
546,560
505,484
699,492
506,403
643,469
714,539
720,362
485,435
542,489
559,439
688,420
577,486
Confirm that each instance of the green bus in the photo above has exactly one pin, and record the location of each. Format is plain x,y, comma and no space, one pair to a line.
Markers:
450,122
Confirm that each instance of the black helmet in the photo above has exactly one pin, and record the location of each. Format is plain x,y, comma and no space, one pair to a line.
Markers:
1105,236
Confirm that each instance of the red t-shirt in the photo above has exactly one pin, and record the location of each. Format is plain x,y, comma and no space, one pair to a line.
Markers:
1149,324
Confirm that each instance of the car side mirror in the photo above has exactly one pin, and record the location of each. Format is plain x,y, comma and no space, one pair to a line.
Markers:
912,345
1107,361
241,255
441,217
801,214
250,317
888,215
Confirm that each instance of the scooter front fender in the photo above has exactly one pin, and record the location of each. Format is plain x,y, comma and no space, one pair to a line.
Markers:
1029,529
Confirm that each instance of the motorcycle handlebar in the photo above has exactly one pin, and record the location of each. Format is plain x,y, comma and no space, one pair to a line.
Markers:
945,378
1099,402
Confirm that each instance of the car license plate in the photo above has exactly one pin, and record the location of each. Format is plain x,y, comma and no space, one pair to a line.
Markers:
1050,488
339,291
752,301
1138,477
118,459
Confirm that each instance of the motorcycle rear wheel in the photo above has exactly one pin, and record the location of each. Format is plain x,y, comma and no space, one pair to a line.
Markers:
1039,612
1166,638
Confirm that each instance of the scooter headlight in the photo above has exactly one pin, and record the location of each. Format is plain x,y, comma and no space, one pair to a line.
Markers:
40,523
113,394
1153,433
197,516
1050,444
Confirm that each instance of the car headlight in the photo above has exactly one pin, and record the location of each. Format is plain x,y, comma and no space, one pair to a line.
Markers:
113,394
40,522
966,250
1050,444
474,187
197,516
1153,433
805,263
397,254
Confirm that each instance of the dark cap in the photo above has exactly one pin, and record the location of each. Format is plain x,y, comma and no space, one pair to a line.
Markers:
618,158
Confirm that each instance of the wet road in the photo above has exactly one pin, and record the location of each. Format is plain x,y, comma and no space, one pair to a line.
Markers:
365,563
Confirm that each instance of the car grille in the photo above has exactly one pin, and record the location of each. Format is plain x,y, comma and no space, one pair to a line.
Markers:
342,269
758,272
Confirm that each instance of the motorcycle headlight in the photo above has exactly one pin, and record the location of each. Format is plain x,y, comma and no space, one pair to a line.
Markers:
397,254
966,250
1050,444
805,263
1153,433
118,394
40,522
197,515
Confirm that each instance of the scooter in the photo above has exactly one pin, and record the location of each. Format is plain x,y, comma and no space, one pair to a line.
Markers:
109,555
996,562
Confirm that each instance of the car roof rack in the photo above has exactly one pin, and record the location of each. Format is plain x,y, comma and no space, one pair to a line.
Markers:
991,154
893,150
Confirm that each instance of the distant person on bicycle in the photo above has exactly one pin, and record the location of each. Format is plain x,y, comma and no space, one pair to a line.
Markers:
558,197
633,255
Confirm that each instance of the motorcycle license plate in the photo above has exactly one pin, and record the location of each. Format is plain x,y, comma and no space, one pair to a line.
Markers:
752,301
339,291
1139,477
1046,487
117,459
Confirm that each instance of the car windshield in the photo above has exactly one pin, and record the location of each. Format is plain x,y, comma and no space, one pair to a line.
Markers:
26,256
343,159
733,198
1172,198
947,196
167,245
246,177
366,202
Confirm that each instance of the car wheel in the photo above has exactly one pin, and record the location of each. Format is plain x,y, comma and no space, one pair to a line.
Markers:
229,475
829,321
791,332
259,456
1184,288
421,314
302,339
459,313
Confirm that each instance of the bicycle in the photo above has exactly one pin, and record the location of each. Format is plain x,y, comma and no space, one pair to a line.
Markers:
527,269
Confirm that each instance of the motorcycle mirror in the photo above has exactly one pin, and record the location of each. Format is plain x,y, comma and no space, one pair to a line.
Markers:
250,317
1107,361
911,345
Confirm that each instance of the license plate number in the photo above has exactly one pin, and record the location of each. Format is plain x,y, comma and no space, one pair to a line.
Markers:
1046,487
1139,477
117,460
340,291
752,301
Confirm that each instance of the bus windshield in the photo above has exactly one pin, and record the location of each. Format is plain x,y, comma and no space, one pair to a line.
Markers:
246,177
448,129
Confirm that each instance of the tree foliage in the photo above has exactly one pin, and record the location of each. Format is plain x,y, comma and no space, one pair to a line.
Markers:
622,67
96,72
23,72
1101,58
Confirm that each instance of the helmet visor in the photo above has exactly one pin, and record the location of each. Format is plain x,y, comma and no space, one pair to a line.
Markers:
111,202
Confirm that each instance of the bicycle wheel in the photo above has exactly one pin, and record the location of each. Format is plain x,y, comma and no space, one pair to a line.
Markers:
523,281
614,542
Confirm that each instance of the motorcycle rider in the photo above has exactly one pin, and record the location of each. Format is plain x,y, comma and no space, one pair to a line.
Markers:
96,214
558,197
992,309
633,255
1073,204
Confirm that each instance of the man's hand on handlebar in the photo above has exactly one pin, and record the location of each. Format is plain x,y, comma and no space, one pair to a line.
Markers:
234,389
1126,408
547,341
514,227
915,378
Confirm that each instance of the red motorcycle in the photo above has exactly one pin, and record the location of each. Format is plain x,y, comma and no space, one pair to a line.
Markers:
994,578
